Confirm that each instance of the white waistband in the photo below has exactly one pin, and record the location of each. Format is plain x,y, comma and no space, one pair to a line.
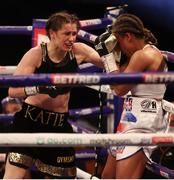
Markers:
166,105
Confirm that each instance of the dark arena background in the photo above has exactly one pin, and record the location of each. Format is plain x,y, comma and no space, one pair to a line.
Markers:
157,15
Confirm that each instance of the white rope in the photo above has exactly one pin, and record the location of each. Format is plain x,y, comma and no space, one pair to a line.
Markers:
84,175
73,139
7,70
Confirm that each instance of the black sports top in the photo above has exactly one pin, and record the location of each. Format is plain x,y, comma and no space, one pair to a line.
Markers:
67,65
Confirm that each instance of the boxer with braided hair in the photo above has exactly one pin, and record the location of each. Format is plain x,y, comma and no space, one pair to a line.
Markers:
142,112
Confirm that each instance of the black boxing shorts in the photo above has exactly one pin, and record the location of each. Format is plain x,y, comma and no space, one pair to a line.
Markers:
54,161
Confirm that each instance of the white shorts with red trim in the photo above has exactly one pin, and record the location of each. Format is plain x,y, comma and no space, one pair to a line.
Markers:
141,115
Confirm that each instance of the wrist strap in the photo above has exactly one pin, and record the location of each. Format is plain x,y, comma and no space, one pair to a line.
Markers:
29,91
110,63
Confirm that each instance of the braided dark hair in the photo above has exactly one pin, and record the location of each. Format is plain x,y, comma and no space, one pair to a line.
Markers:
149,37
133,24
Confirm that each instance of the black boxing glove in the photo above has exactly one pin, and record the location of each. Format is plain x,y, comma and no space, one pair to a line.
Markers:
33,90
105,45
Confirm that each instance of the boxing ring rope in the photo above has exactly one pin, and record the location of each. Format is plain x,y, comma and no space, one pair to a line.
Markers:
90,154
83,154
73,113
4,70
79,129
90,24
54,139
77,79
160,170
71,139
86,36
152,166
84,175
21,30
170,56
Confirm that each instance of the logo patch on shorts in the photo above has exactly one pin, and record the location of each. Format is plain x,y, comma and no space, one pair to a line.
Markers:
149,105
128,104
114,150
120,149
129,116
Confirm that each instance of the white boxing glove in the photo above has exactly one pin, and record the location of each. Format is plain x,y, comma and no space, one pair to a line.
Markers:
105,45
